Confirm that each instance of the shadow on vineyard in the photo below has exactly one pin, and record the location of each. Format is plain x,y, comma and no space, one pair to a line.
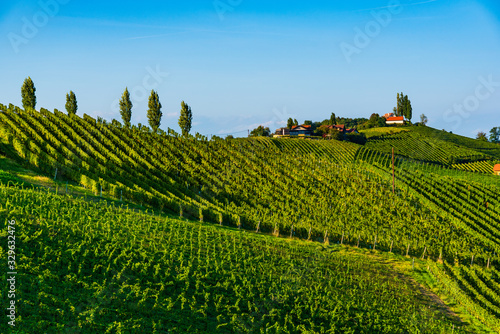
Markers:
92,259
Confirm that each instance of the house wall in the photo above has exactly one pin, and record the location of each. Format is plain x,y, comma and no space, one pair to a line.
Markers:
301,133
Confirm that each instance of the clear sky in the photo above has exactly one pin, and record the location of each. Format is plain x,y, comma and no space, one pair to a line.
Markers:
241,63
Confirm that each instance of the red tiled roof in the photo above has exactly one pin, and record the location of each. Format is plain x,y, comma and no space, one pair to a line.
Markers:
304,126
342,126
496,168
394,119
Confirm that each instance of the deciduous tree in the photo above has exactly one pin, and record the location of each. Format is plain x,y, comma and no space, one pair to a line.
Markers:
482,136
260,131
423,119
495,135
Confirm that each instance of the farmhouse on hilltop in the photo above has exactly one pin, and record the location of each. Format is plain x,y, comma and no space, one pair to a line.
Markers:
301,130
340,127
496,170
395,120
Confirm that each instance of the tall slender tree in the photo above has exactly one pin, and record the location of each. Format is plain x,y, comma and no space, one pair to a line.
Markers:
71,104
403,107
289,123
126,108
398,110
28,94
407,109
333,119
154,111
185,119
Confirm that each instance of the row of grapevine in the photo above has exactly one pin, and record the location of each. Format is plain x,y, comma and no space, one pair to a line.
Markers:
83,272
412,144
298,188
478,166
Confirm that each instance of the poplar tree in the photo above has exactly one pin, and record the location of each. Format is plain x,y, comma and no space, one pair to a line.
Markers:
71,104
154,111
403,107
333,119
126,108
28,94
408,111
400,105
185,119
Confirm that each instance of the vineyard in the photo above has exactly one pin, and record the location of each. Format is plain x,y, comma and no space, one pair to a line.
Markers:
82,272
479,166
218,273
437,147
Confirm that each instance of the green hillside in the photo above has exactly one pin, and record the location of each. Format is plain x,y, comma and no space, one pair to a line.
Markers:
81,271
429,145
323,192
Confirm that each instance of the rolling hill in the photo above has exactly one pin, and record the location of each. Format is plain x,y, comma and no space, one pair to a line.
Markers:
429,145
197,264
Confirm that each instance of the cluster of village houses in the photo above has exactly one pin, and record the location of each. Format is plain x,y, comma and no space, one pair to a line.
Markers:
307,130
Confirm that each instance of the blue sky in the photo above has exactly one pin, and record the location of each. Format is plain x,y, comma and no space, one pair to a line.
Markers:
241,63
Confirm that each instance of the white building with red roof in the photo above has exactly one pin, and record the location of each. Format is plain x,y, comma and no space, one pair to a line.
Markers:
395,120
